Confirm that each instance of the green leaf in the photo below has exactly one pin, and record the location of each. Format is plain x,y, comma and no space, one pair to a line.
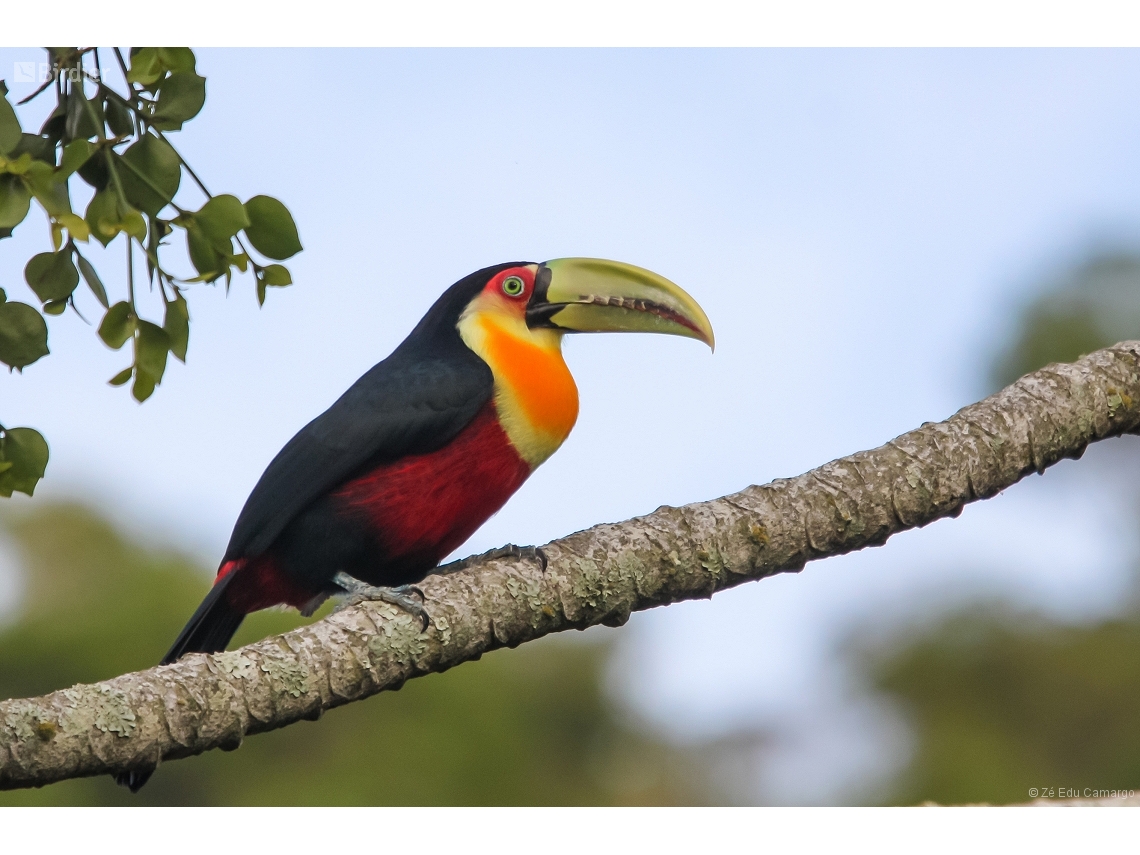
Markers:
38,147
75,154
203,255
55,307
151,175
27,451
18,166
157,230
95,172
271,228
180,98
119,118
84,118
103,215
143,386
146,66
53,126
177,58
76,225
9,127
15,200
220,219
133,223
118,325
151,346
122,377
276,275
52,275
49,188
93,281
23,335
177,326
107,217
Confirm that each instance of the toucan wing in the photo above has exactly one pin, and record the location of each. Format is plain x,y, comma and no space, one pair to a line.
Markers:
401,406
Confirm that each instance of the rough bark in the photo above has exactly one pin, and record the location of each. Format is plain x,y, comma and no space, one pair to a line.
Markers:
596,576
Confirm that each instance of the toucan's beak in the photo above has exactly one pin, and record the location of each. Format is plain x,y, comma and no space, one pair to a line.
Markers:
595,295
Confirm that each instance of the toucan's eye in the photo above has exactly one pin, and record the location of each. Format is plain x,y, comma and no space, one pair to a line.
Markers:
513,286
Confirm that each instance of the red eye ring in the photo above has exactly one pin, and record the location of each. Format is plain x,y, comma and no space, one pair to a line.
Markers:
513,286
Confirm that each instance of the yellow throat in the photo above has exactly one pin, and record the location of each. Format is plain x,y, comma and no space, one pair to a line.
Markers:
535,395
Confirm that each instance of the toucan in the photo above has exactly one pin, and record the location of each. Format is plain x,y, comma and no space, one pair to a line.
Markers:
372,494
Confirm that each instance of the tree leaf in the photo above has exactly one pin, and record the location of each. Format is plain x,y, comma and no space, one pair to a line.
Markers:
19,165
180,98
55,307
9,127
103,216
276,275
93,281
27,451
119,118
271,228
177,325
23,335
177,58
151,346
146,66
161,172
118,325
220,219
157,229
15,200
75,154
143,386
76,225
122,377
134,224
52,275
48,187
203,254
53,126
38,147
94,171
84,118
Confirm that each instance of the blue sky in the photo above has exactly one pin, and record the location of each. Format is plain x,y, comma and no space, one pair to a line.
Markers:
859,225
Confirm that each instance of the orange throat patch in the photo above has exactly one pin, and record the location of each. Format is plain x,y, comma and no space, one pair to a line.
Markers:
535,394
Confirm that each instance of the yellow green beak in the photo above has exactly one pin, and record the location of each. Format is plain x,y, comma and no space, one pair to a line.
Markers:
596,295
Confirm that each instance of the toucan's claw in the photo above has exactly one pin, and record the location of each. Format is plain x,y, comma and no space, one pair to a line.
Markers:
534,553
411,589
359,592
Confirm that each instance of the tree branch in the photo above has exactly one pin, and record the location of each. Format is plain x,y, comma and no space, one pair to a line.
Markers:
596,576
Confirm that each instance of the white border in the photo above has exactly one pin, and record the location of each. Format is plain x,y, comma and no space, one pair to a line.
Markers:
600,23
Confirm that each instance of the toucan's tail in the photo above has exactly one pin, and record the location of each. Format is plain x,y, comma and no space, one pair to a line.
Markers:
211,627
209,630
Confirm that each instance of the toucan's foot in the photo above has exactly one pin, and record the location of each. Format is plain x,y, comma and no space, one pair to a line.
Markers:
401,597
534,553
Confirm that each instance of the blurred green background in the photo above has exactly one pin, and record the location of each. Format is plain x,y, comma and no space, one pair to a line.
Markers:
997,699
1000,699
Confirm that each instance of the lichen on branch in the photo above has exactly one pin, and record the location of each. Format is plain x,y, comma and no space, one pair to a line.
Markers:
600,575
